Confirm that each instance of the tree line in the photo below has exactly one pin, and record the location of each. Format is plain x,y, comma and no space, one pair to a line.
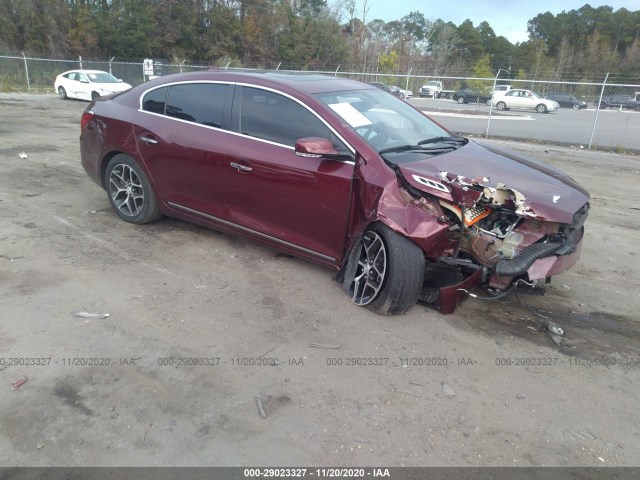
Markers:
315,34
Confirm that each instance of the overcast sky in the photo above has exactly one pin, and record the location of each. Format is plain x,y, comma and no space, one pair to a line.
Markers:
507,17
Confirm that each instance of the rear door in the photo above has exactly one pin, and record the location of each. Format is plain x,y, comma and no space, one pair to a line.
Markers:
182,133
300,203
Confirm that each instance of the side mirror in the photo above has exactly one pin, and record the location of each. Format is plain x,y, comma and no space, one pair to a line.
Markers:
119,80
315,147
318,147
84,81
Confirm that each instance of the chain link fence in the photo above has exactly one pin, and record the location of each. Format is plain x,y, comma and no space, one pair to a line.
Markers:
21,73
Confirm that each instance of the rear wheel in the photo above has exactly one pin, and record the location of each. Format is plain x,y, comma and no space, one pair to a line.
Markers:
130,192
385,272
577,106
62,93
542,108
461,100
501,106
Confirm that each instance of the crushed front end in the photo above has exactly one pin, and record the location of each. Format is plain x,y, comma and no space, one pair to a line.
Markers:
497,238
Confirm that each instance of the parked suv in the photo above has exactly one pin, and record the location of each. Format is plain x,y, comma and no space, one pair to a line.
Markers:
566,101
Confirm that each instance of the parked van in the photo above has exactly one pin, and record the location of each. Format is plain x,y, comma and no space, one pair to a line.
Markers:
500,90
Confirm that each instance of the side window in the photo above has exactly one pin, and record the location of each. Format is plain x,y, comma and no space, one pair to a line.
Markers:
197,102
81,77
155,100
276,118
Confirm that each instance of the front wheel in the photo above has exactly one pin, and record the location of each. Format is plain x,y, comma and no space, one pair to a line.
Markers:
62,93
461,100
130,192
577,106
94,96
501,106
385,272
541,108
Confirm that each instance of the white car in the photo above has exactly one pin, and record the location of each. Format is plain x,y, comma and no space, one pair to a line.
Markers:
407,94
525,99
87,84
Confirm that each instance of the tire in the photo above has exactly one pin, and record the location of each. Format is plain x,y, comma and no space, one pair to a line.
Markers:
62,93
501,106
94,96
542,108
129,191
385,272
461,100
603,106
577,106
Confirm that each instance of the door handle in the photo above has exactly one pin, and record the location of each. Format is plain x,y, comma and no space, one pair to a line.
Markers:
148,140
241,168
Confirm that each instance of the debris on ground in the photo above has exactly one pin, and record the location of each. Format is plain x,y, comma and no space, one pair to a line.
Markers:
555,329
448,391
23,155
91,315
261,410
18,383
324,345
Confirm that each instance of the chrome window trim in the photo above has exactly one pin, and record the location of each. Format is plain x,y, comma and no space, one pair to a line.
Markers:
250,85
251,231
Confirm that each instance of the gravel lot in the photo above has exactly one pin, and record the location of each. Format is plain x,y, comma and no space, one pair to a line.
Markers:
486,386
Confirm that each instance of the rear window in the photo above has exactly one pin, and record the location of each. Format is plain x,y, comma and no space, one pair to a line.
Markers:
155,101
197,102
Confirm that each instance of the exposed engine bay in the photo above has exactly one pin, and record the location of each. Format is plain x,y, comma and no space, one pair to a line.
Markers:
494,239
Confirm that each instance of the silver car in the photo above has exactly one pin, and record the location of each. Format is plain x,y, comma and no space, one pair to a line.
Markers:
525,99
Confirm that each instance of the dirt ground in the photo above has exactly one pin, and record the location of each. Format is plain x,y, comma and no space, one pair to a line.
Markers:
485,386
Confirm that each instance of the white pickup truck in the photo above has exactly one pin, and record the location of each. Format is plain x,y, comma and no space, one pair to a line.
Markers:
433,88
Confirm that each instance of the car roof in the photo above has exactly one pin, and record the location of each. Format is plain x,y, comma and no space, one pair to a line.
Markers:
308,83
83,71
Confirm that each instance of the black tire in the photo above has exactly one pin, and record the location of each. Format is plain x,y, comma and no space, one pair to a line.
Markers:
94,96
398,287
62,93
129,191
461,100
541,108
501,106
577,106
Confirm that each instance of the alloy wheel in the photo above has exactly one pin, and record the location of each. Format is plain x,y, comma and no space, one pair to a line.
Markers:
371,270
126,190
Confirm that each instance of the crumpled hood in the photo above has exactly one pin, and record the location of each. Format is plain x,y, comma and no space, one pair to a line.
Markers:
549,193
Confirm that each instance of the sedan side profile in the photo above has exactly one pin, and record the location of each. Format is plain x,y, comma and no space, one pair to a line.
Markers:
566,101
87,84
340,173
525,99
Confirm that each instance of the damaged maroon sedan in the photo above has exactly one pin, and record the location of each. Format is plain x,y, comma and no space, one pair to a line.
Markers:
340,173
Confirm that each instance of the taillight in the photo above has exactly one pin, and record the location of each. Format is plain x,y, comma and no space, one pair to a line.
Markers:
87,115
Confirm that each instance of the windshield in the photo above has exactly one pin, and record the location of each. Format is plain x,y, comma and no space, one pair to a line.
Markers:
382,120
102,78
